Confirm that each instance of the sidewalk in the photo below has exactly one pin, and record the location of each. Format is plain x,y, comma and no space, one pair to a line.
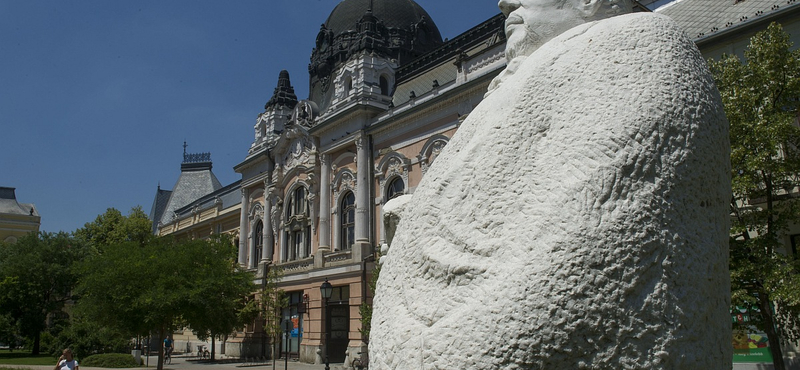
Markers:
181,363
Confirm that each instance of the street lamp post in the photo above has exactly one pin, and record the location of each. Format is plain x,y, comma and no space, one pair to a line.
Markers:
287,327
326,289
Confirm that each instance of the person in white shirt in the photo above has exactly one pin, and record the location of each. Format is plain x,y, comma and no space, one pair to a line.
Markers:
67,361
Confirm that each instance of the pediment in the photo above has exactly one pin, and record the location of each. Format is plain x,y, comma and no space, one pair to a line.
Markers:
294,147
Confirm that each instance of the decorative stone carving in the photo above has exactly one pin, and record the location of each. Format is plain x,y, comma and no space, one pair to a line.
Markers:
579,217
344,181
391,166
431,150
257,212
277,212
305,112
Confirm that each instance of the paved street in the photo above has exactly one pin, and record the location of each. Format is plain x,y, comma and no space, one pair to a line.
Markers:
179,363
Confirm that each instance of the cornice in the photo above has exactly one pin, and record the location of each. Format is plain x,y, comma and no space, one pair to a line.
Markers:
451,48
422,109
252,160
355,109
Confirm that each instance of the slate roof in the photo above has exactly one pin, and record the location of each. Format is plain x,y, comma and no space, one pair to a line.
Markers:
228,196
194,183
283,96
159,205
703,18
9,204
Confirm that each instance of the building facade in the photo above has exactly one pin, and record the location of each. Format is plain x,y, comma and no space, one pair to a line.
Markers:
16,219
386,95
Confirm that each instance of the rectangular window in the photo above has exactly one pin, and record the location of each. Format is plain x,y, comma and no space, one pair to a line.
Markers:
308,242
298,243
795,239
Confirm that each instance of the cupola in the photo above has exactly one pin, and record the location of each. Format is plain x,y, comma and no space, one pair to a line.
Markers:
397,31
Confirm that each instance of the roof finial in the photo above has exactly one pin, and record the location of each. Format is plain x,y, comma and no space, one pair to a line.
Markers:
370,6
184,147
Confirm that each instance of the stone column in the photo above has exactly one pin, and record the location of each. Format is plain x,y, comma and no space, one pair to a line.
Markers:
325,204
267,252
363,192
243,228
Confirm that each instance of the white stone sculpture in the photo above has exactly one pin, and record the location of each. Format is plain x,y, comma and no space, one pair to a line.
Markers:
579,217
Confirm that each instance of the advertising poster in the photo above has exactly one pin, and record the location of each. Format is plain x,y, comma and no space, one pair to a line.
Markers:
749,346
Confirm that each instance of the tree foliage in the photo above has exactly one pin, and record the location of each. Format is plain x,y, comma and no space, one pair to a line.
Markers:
37,275
113,227
761,96
220,290
161,284
365,310
273,300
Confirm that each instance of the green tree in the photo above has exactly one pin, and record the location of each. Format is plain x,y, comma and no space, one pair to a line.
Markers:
37,277
113,227
761,96
273,300
163,284
9,330
365,310
219,303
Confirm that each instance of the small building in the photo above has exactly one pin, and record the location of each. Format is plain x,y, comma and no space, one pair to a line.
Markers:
16,219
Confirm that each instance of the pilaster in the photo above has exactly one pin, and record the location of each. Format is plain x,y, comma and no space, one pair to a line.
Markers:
243,227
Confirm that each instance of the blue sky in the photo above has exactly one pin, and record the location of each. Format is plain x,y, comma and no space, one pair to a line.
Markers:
97,97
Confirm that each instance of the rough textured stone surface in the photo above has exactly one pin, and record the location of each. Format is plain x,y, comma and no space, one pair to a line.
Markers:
577,220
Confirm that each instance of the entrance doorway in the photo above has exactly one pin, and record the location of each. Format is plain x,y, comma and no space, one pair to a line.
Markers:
338,325
339,329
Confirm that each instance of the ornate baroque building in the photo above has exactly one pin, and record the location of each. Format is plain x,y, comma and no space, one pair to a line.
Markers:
386,95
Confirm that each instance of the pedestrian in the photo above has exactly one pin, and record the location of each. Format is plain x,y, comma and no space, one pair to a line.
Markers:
67,361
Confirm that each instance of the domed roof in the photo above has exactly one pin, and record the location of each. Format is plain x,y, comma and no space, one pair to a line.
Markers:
396,30
393,13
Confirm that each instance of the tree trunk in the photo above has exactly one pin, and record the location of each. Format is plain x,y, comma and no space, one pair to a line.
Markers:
37,341
772,335
213,349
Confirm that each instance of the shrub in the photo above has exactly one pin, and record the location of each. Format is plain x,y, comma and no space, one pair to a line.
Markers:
112,360
88,338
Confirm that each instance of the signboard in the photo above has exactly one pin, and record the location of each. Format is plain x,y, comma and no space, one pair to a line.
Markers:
751,348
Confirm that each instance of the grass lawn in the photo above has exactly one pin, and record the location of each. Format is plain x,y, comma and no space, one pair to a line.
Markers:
21,357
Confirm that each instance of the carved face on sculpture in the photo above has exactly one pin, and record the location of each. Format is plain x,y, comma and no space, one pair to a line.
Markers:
531,23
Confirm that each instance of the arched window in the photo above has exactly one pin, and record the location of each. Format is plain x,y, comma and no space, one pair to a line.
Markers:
297,226
348,86
347,217
384,82
395,189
